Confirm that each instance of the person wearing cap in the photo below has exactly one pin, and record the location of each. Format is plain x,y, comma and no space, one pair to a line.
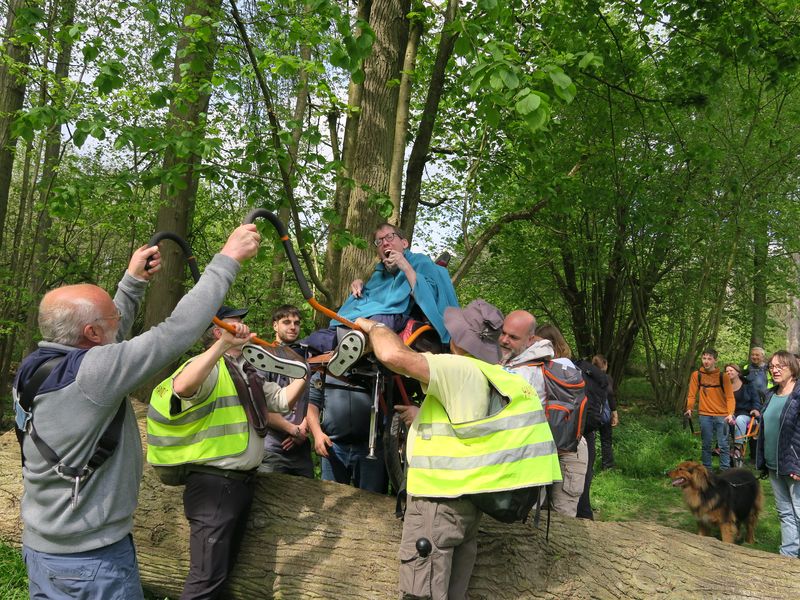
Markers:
88,522
211,416
447,463
403,281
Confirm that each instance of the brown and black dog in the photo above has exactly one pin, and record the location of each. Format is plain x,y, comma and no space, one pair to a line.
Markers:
727,500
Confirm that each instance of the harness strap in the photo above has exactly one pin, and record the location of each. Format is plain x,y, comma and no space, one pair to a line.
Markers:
29,391
105,447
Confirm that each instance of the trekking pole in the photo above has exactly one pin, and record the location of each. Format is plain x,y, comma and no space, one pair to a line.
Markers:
687,421
298,272
195,271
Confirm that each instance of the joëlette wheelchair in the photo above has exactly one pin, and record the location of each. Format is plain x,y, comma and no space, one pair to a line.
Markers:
386,388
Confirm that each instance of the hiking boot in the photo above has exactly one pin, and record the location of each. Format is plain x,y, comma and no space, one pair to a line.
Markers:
347,353
276,359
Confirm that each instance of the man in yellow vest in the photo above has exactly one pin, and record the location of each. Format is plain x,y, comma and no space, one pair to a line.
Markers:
210,416
480,429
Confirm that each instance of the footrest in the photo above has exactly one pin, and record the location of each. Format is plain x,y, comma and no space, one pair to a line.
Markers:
347,353
275,360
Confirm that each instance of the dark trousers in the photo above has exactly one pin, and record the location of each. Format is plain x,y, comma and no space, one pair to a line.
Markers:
585,503
606,449
217,509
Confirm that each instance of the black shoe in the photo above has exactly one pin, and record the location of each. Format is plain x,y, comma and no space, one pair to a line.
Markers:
277,359
349,350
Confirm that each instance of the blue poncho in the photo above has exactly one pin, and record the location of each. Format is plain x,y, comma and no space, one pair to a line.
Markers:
390,294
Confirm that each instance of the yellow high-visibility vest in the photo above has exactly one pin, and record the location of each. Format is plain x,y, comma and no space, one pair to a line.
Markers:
215,428
508,450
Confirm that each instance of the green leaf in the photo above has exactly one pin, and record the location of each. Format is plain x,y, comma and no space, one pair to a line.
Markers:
90,52
527,104
462,46
566,94
79,137
340,58
559,78
358,76
158,99
496,81
590,59
510,79
537,119
192,21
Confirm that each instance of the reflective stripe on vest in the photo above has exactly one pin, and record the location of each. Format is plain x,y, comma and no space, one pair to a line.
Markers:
217,428
508,450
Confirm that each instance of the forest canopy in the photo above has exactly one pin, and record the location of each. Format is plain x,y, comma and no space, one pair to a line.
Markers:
624,170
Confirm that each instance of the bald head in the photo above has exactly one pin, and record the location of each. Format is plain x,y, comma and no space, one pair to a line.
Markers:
81,316
519,329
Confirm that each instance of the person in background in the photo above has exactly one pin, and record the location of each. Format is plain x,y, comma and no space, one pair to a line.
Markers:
566,494
606,428
286,443
778,453
747,406
716,407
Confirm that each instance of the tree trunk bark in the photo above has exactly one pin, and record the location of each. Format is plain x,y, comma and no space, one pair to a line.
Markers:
312,539
422,141
42,266
12,95
758,329
372,155
793,326
187,114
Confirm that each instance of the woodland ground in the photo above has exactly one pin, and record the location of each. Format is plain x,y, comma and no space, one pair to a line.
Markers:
646,445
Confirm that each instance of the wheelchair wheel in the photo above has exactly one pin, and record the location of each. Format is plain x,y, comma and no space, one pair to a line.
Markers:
394,446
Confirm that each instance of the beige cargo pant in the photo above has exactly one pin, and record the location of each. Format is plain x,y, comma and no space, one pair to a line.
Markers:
567,493
451,526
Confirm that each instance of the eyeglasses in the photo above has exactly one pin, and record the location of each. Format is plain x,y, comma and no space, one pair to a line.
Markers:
776,367
389,237
116,317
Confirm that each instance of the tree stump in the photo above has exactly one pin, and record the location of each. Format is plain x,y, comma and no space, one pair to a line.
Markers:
312,539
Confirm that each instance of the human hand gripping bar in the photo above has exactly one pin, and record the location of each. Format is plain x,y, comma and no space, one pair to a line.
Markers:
298,272
195,271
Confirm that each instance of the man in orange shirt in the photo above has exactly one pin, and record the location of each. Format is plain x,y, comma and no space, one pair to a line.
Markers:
716,407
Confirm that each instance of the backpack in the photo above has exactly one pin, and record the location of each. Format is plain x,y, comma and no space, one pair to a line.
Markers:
564,402
700,383
596,394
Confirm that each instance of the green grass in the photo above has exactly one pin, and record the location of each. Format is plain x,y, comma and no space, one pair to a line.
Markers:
13,581
646,446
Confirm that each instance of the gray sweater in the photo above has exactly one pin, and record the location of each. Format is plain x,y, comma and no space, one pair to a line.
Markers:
79,399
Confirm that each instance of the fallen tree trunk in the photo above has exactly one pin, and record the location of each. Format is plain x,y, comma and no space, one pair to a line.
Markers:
312,539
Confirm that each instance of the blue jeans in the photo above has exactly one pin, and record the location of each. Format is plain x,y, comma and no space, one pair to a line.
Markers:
709,428
348,464
787,504
110,572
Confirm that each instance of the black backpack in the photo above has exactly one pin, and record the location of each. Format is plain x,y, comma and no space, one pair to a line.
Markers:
596,394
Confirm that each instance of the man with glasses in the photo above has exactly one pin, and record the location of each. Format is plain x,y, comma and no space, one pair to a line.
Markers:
716,407
80,493
402,282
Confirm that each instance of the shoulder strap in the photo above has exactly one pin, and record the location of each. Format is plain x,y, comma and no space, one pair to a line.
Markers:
29,391
105,447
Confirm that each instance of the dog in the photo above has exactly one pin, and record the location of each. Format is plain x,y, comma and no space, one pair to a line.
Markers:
728,500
